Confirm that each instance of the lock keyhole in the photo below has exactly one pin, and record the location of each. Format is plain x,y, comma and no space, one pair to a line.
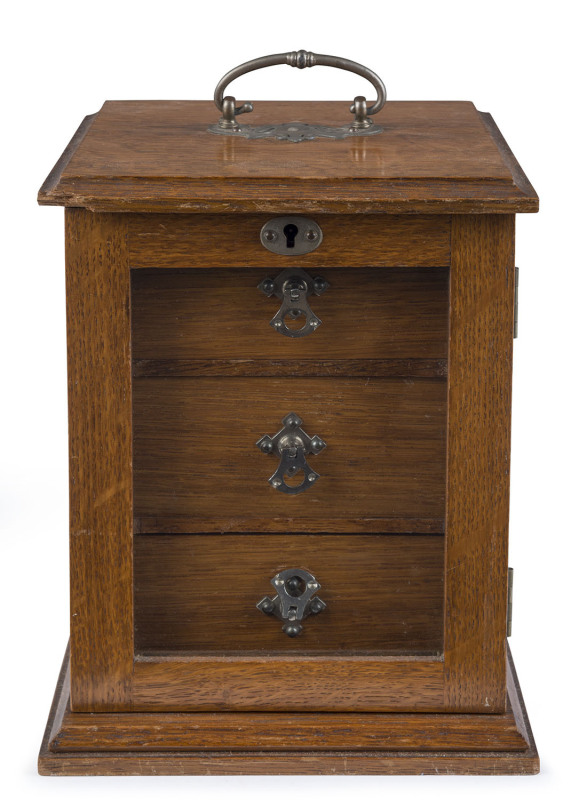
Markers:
295,586
290,232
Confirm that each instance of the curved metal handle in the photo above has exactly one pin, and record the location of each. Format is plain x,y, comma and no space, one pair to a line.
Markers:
300,59
292,444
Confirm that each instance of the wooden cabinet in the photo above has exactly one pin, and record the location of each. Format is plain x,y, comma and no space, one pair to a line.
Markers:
175,374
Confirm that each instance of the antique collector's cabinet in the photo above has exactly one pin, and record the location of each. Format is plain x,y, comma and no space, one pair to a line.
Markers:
290,341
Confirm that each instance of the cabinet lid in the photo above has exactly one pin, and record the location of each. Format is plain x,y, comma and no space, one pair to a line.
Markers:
431,157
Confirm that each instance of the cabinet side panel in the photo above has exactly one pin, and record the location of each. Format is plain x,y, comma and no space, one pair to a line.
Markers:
479,408
100,452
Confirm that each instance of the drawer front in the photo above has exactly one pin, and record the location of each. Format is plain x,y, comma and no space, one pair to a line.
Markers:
349,240
197,467
198,594
374,321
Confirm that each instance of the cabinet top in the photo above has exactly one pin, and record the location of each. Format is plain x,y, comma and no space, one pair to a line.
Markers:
431,157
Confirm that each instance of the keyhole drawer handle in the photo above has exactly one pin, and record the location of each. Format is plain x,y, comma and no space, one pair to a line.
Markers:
293,287
300,59
294,601
291,444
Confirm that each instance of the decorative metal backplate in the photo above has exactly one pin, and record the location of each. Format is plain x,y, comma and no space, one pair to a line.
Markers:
291,235
295,589
292,444
295,131
293,287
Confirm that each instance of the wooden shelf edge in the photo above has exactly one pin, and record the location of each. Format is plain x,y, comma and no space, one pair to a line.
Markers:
222,762
151,524
313,197
277,367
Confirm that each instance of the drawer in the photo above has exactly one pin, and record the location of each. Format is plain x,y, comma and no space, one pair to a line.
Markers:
197,467
374,321
198,594
349,240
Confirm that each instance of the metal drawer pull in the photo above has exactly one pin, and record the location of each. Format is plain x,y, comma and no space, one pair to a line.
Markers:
292,445
362,124
294,600
293,287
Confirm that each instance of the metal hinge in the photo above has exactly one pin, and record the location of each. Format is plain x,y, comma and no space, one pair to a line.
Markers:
510,601
516,322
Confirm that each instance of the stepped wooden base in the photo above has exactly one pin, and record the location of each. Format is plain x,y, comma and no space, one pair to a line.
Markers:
257,744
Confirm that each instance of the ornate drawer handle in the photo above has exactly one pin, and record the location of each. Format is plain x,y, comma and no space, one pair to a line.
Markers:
292,445
293,287
301,59
294,600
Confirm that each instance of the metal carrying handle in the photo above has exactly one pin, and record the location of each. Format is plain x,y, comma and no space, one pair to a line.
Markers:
300,59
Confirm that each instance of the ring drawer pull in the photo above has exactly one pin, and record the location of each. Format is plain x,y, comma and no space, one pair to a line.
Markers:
298,131
293,287
292,445
294,600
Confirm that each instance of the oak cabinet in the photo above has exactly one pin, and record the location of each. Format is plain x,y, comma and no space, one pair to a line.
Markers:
333,599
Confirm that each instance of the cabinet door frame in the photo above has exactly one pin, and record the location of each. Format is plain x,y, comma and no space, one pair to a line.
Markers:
106,675
481,320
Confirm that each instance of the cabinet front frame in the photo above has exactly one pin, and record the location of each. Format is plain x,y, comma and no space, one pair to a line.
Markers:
105,673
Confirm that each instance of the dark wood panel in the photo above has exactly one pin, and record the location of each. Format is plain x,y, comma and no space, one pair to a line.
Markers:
363,524
295,368
99,393
200,315
349,240
479,386
195,453
198,593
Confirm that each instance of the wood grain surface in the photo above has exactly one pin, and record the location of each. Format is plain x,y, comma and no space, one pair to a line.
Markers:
283,763
290,368
100,447
250,743
397,318
163,241
384,594
414,405
152,732
288,732
55,174
171,523
479,413
195,453
158,156
288,683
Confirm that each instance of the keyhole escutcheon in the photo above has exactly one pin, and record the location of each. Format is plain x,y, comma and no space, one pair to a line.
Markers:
291,236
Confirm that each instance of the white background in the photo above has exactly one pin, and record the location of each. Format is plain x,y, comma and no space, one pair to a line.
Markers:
61,60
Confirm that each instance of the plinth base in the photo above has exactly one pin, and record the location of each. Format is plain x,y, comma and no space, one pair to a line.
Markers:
380,744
